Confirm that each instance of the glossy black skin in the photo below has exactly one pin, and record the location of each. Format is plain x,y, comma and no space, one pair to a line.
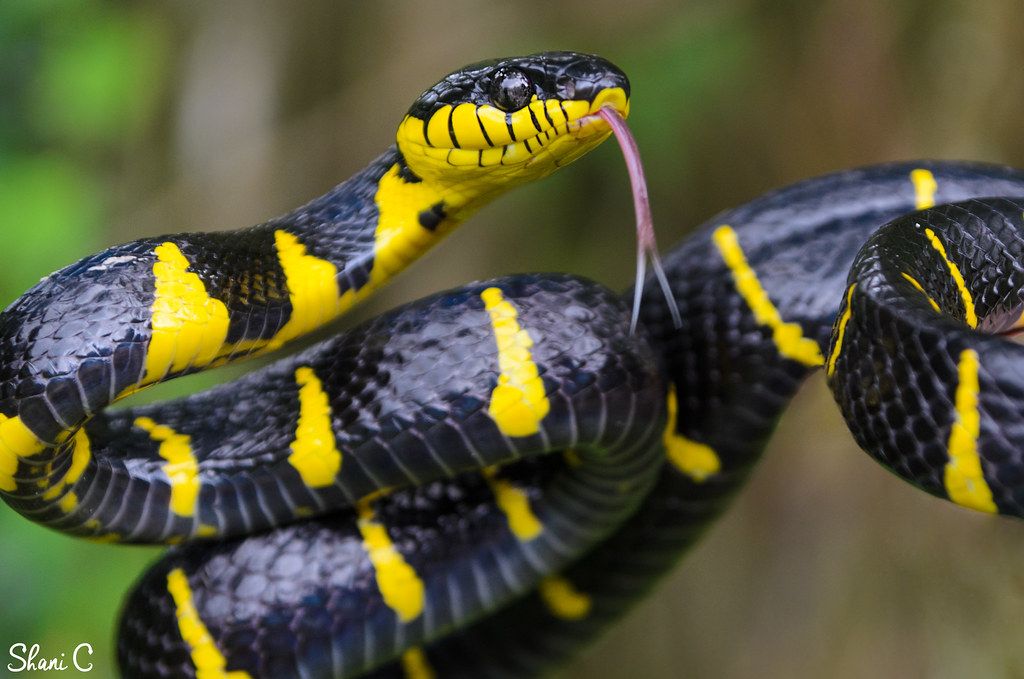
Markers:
559,75
79,338
895,374
733,386
73,342
407,392
411,386
416,381
77,341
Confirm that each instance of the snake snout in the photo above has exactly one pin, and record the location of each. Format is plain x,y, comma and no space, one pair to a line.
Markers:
586,77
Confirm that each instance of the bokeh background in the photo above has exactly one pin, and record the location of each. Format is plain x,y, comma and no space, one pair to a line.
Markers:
122,120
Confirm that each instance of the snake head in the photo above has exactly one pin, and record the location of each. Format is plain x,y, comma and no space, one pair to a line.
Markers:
498,123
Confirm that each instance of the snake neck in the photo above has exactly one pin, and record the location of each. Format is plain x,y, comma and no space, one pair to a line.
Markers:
156,308
370,227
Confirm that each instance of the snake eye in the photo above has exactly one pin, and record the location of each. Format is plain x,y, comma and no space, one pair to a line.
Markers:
511,89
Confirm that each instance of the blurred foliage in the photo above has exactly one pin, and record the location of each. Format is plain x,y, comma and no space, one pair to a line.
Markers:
119,120
79,80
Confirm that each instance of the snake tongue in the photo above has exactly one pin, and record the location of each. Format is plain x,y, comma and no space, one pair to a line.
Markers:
647,244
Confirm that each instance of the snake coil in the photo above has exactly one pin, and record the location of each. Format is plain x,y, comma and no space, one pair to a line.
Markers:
476,484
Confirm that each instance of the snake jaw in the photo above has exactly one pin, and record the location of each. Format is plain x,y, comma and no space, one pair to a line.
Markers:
489,145
469,131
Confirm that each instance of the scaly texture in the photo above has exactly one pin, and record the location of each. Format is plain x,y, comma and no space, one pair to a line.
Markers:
732,381
480,472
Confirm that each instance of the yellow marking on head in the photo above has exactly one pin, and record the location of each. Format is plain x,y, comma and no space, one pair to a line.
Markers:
16,441
522,124
81,453
206,531
576,109
315,452
189,326
493,121
696,460
515,504
518,153
924,188
467,127
491,157
788,337
841,331
970,315
518,402
437,128
182,469
563,600
555,112
463,158
539,109
964,478
399,584
614,97
209,662
412,129
416,665
920,288
475,151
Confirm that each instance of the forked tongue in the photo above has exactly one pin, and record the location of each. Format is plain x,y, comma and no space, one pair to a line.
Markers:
646,244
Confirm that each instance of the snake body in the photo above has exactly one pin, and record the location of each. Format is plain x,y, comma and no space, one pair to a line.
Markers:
477,483
740,356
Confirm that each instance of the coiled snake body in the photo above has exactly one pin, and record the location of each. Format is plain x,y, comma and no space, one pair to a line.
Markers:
487,477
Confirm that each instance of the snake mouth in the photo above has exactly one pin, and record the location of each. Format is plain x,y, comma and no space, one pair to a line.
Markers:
484,136
593,122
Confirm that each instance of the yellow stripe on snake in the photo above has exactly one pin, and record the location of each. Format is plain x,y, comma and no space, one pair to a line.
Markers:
476,484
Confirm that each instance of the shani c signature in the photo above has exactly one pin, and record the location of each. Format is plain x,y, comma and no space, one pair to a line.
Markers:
27,658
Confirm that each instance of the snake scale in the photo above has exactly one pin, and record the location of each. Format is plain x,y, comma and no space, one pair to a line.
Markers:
477,483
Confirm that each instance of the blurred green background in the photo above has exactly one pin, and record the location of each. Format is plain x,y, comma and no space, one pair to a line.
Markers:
122,120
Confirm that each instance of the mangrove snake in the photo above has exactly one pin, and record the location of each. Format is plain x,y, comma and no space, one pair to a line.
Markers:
488,476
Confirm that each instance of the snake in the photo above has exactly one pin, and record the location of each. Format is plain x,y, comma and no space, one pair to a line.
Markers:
478,483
